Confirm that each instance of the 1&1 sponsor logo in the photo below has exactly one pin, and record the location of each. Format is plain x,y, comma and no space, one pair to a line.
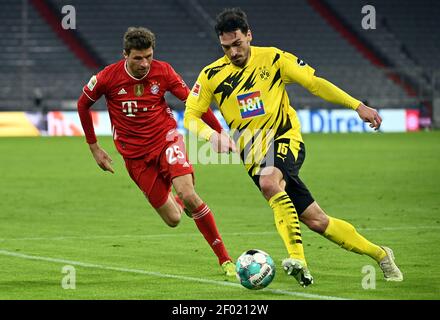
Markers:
250,104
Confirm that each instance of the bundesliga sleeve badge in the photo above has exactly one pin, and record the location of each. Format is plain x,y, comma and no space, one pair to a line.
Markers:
92,83
196,89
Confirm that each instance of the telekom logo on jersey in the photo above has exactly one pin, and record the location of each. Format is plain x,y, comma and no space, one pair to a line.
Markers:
129,107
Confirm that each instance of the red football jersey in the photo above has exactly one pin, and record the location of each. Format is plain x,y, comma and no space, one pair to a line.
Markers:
139,114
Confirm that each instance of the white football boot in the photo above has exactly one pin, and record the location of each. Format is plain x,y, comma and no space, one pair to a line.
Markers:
390,270
297,269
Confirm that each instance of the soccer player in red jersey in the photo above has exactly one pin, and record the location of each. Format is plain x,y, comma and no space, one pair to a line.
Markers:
145,134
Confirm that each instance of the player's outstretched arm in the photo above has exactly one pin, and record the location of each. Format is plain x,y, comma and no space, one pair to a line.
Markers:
101,157
328,91
370,115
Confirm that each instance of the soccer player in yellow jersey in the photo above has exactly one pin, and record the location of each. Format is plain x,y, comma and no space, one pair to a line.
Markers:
248,84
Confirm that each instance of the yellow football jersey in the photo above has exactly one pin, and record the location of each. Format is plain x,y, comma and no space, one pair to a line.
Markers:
253,99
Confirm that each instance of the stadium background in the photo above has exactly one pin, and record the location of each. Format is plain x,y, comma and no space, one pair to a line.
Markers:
393,66
57,205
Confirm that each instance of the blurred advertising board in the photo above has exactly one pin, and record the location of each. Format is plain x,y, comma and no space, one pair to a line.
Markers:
67,123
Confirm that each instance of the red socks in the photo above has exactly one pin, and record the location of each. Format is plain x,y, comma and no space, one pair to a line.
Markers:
205,222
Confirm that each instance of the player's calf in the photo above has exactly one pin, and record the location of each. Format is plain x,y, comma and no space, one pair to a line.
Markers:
315,218
170,212
182,206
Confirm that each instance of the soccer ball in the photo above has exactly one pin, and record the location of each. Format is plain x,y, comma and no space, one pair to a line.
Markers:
255,269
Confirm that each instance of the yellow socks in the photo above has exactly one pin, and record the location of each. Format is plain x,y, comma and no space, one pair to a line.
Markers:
338,231
287,222
346,236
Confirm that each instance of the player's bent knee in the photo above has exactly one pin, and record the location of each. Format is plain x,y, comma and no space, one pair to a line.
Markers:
169,213
172,220
173,223
315,222
316,225
269,187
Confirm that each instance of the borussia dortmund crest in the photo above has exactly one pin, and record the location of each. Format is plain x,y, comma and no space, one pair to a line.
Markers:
139,90
264,73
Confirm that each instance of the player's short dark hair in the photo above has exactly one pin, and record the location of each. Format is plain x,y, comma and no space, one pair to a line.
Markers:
138,38
231,19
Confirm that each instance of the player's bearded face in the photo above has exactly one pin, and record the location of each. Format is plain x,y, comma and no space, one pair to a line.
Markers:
236,46
139,61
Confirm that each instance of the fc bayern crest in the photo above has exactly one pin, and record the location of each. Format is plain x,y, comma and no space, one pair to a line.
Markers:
154,87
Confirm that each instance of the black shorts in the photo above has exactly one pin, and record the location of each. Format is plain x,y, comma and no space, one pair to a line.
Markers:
284,160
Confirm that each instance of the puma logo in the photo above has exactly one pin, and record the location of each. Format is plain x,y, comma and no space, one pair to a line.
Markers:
228,84
281,157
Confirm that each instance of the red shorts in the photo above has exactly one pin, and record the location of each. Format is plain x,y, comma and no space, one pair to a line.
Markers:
154,175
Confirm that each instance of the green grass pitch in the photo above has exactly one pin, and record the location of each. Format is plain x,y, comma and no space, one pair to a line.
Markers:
58,208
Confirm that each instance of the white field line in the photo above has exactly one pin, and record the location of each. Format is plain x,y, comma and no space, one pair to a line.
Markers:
163,275
177,234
